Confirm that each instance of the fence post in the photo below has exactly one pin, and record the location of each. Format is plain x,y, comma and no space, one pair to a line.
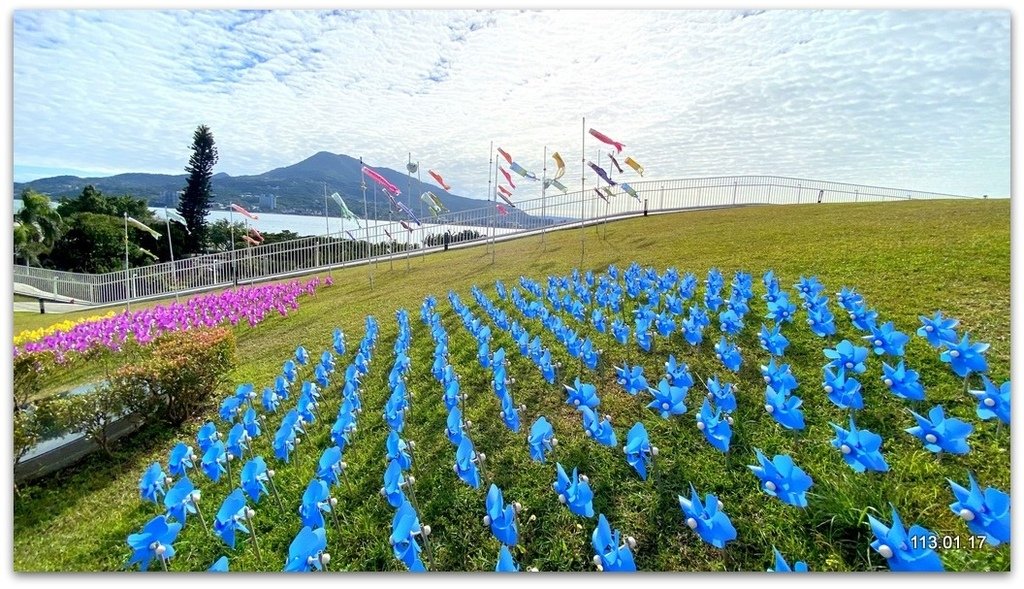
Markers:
856,195
735,187
661,206
799,191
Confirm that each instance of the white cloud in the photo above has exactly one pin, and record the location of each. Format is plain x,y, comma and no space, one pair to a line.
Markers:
914,99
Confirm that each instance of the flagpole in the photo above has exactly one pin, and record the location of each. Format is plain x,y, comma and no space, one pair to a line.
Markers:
375,229
494,213
170,246
594,207
490,165
127,284
583,186
543,201
423,253
369,268
327,219
408,175
234,258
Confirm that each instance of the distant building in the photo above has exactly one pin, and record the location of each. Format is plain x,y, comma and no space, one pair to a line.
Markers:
268,202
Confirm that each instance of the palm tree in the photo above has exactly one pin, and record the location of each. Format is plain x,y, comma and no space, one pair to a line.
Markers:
37,226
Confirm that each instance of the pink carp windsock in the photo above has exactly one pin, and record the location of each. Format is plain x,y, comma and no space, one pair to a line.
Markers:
505,155
502,210
523,172
507,176
635,165
239,209
629,190
250,240
600,172
606,139
387,186
258,235
437,177
615,162
556,184
506,199
504,190
561,166
601,194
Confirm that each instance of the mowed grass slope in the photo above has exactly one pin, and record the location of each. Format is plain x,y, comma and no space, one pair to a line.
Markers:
906,259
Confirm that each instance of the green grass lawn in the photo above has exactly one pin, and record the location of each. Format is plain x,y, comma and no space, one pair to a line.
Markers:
906,259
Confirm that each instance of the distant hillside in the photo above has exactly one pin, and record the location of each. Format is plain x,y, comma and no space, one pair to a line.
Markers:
299,187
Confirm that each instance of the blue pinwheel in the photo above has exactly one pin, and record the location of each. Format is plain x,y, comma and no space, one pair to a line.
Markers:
784,409
668,400
254,477
394,483
731,323
664,324
642,334
238,441
609,554
151,484
589,354
905,550
574,492
331,467
781,310
397,450
405,526
583,394
542,439
321,375
808,287
773,341
451,394
631,379
677,373
290,371
394,412
206,436
301,356
707,519
620,331
941,434
993,401
781,566
316,500
821,321
219,566
156,540
594,427
251,423
781,477
723,394
728,354
861,449
506,564
964,357
886,340
501,518
281,384
214,460
847,356
547,367
181,499
306,551
339,342
779,377
233,511
693,332
902,382
509,413
862,317
848,297
937,330
987,512
638,449
716,429
180,459
843,392
230,408
466,459
454,427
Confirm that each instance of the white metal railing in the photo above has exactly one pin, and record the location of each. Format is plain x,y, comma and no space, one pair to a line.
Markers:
382,237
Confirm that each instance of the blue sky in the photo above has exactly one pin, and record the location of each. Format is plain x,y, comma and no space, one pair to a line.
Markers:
911,99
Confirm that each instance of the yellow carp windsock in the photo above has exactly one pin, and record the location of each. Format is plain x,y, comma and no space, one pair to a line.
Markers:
561,165
635,165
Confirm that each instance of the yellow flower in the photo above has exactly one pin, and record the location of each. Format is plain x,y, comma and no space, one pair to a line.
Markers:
31,335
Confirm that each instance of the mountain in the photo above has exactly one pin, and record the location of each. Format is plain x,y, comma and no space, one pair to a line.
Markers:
299,188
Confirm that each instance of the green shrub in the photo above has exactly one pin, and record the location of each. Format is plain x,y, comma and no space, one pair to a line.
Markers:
180,376
92,413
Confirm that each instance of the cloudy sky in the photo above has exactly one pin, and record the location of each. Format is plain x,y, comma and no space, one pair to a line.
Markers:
910,99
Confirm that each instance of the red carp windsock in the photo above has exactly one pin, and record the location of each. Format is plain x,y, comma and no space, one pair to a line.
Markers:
606,139
391,188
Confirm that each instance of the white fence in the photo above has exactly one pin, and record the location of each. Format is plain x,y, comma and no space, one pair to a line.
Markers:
555,209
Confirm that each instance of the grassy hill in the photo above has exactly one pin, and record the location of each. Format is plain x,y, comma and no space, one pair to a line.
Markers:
906,258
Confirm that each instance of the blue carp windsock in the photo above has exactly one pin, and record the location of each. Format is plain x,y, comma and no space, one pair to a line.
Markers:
600,172
629,190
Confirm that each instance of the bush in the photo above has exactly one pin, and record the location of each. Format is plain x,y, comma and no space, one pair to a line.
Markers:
28,371
93,412
180,376
26,433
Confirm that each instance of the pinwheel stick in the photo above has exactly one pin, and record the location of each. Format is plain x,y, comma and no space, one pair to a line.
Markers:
273,487
202,519
227,462
252,530
334,514
163,561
